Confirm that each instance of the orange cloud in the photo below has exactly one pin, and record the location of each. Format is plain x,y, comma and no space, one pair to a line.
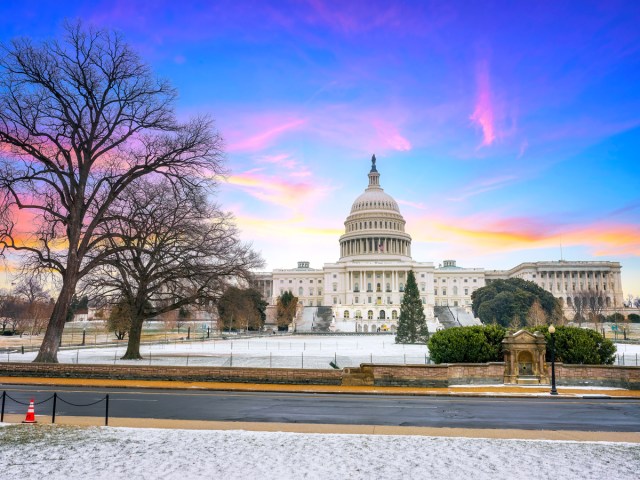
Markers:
485,235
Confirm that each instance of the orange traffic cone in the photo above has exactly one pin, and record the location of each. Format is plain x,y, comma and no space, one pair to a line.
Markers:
31,414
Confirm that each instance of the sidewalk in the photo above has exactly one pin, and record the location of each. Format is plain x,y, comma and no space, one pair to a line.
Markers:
461,390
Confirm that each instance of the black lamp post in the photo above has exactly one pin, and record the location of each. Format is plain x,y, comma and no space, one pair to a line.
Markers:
552,331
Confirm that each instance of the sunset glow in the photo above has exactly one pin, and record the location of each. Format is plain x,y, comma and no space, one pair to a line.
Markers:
506,133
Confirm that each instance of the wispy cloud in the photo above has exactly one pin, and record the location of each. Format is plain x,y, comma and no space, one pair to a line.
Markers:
261,133
482,186
483,234
483,114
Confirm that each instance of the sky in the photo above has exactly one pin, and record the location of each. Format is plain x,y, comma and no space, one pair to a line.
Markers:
507,131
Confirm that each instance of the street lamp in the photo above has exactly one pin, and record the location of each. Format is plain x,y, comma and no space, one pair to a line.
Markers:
552,331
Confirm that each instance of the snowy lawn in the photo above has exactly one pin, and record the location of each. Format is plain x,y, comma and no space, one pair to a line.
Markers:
276,351
56,452
291,351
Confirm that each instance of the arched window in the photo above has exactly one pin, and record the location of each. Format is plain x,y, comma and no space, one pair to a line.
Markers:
401,287
366,328
356,287
370,314
358,314
394,314
382,315
346,314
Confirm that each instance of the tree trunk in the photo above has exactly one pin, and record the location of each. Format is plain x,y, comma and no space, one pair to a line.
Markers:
133,345
50,343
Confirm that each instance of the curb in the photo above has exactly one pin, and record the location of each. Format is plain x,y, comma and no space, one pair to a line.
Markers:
306,389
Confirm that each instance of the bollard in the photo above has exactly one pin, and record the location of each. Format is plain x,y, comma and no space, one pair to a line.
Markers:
231,359
23,349
53,413
4,394
106,412
84,333
188,333
302,359
77,356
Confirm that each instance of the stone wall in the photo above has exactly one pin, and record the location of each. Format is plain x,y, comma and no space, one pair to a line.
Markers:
424,375
598,375
366,375
189,374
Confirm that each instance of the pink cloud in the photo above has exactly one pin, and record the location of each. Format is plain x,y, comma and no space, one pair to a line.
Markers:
482,186
390,136
278,191
261,132
483,114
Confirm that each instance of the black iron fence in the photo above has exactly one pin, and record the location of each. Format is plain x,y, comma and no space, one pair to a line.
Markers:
55,397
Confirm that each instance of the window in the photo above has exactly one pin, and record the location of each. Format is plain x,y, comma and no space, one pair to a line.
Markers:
422,275
424,300
335,300
435,291
370,314
311,291
455,290
335,287
356,300
466,291
422,287
394,314
311,281
281,281
300,281
465,280
401,287
290,281
356,287
369,287
300,292
444,291
319,291
334,275
358,314
319,281
474,280
346,314
389,300
368,299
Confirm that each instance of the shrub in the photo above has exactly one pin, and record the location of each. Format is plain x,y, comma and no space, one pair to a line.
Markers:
467,345
579,346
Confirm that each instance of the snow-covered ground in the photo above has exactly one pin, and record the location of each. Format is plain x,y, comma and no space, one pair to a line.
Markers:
28,452
273,351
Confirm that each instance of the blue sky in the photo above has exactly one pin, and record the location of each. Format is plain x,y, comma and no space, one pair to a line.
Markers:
503,129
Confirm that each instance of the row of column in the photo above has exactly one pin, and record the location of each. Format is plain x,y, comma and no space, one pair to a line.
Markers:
611,280
362,246
362,280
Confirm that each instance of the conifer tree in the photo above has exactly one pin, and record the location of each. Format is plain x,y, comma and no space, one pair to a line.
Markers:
412,325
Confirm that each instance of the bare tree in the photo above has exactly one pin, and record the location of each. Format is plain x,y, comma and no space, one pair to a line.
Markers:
536,315
80,120
170,249
38,305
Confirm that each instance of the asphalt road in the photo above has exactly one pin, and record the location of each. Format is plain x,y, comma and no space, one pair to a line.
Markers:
610,415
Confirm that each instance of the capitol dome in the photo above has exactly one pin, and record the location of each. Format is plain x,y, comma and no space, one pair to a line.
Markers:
375,227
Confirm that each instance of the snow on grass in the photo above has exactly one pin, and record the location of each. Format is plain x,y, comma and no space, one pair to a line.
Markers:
56,452
271,351
291,351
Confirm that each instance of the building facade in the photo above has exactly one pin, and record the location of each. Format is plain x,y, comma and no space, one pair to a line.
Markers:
364,287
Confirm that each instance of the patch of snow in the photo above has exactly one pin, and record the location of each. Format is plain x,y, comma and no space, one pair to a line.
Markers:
68,453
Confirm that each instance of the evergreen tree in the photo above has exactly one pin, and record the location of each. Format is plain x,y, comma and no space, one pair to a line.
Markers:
412,325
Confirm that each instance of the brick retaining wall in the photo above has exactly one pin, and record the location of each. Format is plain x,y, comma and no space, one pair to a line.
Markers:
189,374
598,375
367,374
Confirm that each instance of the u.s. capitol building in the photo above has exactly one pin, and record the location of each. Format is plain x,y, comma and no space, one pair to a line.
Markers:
362,291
